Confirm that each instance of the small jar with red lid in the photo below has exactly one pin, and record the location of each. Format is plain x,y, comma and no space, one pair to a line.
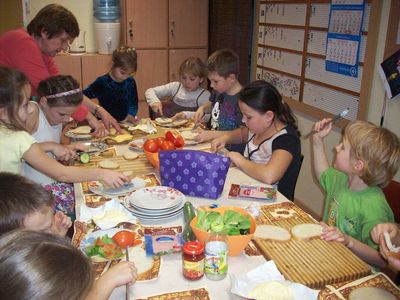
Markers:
193,260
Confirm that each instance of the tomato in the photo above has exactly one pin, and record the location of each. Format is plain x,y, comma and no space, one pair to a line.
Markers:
124,238
170,136
168,145
150,146
160,140
179,141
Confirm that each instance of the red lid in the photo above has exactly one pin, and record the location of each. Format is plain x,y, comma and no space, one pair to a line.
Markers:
193,248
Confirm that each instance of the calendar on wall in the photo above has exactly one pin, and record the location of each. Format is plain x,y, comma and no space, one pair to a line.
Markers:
290,51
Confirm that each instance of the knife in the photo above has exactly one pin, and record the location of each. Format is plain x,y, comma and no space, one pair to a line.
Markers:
333,121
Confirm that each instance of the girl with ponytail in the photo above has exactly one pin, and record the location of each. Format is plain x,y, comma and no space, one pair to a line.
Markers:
273,150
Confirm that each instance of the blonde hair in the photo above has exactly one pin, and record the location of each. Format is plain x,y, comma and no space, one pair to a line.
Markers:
125,58
378,148
193,66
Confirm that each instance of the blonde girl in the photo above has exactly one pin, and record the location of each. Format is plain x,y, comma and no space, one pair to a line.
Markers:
273,151
16,144
186,96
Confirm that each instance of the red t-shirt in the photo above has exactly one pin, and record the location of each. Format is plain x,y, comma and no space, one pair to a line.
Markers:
21,51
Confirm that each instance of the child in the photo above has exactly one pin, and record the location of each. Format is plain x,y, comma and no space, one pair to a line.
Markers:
366,160
28,206
116,91
16,144
186,95
223,70
378,237
59,97
273,148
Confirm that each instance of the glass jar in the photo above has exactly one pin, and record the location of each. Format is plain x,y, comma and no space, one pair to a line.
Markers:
193,260
216,256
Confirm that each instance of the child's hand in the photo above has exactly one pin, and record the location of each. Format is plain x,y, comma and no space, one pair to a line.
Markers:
179,116
157,108
379,229
235,157
199,114
204,136
62,152
61,223
323,128
218,143
131,119
122,273
393,260
99,129
79,147
114,179
332,233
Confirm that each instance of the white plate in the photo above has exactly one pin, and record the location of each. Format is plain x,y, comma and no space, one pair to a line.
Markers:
152,213
97,188
157,197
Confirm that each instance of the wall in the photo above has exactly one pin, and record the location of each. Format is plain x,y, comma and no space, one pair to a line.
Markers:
308,193
10,15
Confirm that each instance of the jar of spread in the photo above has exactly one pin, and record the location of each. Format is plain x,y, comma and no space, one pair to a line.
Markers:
193,260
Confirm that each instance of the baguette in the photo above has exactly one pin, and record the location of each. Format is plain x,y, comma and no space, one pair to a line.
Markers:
271,232
306,231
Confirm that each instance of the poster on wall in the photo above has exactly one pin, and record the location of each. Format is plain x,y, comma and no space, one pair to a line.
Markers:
390,73
344,36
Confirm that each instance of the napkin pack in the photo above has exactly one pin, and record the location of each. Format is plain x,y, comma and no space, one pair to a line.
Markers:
194,173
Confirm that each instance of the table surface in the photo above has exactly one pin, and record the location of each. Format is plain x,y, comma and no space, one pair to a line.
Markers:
170,278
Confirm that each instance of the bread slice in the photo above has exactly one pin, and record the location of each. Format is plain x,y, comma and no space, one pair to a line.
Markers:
108,164
163,120
81,130
128,173
306,231
371,293
121,138
271,232
129,155
189,135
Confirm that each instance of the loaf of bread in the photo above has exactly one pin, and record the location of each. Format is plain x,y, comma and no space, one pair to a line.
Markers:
271,232
306,231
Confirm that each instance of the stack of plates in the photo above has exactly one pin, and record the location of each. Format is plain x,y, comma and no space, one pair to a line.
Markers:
155,203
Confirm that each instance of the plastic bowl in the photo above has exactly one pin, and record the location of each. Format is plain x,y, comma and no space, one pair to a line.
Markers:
236,243
153,159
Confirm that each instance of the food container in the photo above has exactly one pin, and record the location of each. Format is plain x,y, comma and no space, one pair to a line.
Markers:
193,260
153,159
236,243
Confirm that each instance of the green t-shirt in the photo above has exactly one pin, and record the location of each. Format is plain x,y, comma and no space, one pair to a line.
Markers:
355,213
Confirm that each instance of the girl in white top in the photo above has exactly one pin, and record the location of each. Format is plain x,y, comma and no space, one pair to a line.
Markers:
17,145
186,96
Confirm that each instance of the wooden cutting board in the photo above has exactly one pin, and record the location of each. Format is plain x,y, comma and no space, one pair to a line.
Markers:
314,263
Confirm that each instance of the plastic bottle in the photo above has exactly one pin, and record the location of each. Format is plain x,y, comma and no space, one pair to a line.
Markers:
106,11
216,256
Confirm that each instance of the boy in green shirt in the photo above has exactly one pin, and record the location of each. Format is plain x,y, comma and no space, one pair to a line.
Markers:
366,160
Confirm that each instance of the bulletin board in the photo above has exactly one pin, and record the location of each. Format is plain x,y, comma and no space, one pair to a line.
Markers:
289,51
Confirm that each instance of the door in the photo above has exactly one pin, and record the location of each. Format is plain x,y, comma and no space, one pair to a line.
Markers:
177,56
147,23
188,23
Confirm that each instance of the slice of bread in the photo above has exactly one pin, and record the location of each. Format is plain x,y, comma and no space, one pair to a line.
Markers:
129,155
371,293
271,232
128,173
108,164
121,138
306,231
163,120
189,135
81,130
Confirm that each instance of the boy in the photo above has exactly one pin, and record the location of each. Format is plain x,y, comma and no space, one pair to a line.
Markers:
223,70
27,205
366,160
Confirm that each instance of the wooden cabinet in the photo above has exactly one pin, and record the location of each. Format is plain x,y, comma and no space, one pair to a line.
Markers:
176,56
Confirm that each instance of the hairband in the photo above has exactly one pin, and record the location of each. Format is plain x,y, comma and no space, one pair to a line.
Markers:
67,93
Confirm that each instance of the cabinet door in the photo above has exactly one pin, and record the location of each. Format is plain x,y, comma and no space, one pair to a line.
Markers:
177,56
94,66
188,23
70,65
147,23
152,70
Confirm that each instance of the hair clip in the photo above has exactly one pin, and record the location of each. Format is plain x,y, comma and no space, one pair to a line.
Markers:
67,93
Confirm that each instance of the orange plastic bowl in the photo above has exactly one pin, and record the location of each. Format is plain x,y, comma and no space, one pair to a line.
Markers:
153,159
236,243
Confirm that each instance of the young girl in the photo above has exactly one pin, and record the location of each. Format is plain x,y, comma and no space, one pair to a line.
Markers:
116,91
16,144
186,96
273,151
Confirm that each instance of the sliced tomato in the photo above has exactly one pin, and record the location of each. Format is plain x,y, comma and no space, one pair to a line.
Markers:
179,141
124,238
169,136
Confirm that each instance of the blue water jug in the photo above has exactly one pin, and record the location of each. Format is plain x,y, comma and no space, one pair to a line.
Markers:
106,11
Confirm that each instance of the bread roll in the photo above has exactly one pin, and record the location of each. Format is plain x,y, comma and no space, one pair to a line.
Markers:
108,164
271,232
306,231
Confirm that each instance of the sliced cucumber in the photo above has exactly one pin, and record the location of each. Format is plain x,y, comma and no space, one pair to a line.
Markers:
84,157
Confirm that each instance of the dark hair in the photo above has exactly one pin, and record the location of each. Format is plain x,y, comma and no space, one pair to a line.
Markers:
60,84
194,66
125,57
224,62
263,96
54,19
19,198
38,265
12,83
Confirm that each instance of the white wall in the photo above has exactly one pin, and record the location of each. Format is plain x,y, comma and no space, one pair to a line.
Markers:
308,192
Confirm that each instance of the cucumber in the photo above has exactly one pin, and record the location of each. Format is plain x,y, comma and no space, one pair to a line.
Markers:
188,214
84,157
